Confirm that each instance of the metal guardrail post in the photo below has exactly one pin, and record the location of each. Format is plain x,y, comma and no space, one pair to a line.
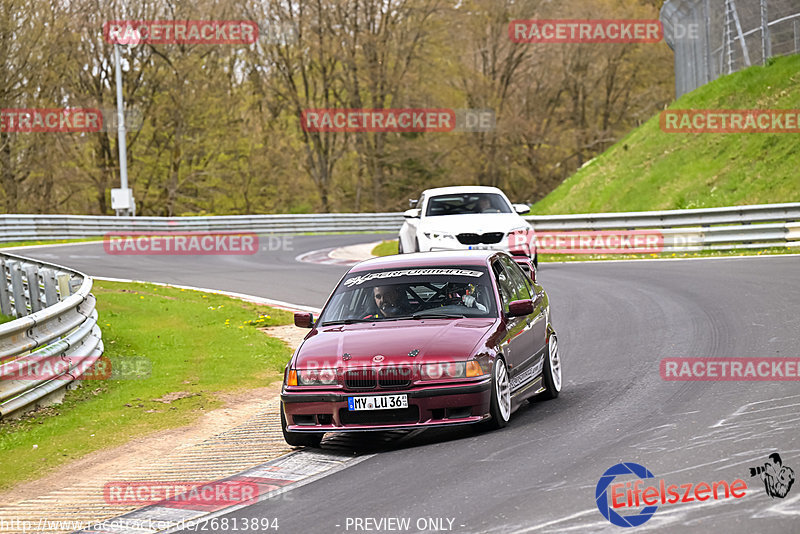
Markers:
63,286
50,288
17,289
34,293
5,301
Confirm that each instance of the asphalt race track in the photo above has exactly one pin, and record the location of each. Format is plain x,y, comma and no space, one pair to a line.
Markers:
616,321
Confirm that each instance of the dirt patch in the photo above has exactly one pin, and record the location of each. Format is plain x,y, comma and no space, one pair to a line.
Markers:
103,465
175,395
289,334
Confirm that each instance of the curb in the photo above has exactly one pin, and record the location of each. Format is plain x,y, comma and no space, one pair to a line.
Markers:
273,479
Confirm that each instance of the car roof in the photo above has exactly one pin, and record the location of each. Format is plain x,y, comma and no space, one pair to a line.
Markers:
462,189
427,259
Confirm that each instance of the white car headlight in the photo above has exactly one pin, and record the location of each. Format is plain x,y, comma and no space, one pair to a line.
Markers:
438,235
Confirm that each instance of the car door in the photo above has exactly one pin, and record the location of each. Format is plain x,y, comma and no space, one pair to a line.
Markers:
408,232
513,344
531,339
537,294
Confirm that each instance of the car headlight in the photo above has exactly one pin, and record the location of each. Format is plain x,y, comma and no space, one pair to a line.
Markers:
316,377
443,371
518,239
438,235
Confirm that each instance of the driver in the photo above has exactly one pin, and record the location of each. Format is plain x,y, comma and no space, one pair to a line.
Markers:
389,301
485,205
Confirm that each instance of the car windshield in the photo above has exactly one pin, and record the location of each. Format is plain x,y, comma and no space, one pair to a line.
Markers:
411,293
465,203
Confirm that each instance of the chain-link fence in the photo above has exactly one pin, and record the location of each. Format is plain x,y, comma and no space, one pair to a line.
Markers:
711,38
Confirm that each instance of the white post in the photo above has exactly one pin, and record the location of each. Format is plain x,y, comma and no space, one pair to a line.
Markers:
766,44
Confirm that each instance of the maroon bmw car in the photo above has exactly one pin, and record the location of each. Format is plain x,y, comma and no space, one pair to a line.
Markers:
422,340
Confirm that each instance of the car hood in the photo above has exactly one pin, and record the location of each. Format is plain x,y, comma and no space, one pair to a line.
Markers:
479,223
436,340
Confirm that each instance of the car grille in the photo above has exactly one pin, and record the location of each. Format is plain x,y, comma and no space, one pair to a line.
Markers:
379,417
387,377
360,379
394,377
480,239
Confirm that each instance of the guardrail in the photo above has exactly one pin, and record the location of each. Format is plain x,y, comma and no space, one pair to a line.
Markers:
35,227
758,226
711,228
53,336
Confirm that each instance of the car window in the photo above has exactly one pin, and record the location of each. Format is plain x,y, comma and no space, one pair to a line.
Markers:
503,282
521,288
403,293
466,203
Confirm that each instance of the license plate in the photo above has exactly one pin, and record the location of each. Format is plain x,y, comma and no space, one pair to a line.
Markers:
377,402
479,247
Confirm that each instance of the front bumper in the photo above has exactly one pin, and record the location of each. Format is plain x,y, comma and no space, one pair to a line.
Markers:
503,246
427,406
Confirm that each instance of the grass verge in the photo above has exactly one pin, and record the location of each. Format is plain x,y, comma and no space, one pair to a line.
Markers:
196,344
387,248
653,170
47,242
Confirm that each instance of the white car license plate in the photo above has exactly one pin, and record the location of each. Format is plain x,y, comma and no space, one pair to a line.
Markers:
479,247
377,402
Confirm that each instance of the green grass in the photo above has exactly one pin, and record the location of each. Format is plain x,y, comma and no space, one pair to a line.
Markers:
197,343
388,248
653,170
47,242
385,248
5,318
545,258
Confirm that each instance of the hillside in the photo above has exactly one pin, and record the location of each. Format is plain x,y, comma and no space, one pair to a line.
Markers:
653,170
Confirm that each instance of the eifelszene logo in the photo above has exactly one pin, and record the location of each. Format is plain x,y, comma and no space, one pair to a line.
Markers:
777,478
627,494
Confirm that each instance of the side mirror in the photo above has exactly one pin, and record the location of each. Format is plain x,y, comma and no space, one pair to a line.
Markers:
412,213
412,202
304,319
519,308
521,208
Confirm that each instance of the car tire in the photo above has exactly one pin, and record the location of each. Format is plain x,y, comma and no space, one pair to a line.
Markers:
500,404
399,246
552,370
299,439
536,259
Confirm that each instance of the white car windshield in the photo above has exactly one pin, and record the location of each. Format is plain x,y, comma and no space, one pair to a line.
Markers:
466,203
411,293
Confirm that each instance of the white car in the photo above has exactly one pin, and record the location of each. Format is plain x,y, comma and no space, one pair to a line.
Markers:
466,218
